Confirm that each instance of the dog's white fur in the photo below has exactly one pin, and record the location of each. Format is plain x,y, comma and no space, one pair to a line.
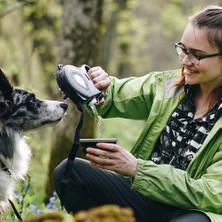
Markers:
20,111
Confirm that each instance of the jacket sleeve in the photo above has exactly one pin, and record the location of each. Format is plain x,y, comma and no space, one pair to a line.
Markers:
129,98
175,187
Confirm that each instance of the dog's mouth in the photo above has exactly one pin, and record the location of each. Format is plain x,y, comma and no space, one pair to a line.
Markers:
43,124
51,122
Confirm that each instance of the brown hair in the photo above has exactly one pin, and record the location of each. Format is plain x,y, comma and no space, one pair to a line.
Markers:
209,18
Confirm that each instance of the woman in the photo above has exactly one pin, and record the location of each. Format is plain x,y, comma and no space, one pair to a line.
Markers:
174,170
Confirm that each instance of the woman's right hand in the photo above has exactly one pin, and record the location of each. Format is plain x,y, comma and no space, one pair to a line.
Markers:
99,77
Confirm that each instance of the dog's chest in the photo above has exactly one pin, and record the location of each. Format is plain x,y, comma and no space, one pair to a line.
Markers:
15,154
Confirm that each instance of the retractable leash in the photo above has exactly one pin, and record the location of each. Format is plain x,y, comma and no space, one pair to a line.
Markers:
75,83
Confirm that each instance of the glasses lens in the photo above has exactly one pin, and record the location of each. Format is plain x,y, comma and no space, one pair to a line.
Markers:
193,58
182,53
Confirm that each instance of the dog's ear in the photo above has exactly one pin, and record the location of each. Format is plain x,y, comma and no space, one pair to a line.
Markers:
5,87
6,90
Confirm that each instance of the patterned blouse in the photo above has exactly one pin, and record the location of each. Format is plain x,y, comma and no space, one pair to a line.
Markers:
183,135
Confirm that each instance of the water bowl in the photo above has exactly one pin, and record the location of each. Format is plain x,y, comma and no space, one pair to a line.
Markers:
85,143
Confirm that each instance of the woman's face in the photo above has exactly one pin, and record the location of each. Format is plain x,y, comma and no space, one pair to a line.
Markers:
208,72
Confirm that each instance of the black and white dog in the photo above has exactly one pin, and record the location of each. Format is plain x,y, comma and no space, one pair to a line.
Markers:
20,111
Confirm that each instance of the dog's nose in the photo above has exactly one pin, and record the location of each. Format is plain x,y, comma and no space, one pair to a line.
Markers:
64,106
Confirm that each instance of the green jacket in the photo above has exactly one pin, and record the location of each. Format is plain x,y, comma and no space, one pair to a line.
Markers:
153,98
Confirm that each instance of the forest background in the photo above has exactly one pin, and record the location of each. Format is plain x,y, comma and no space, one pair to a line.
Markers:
125,37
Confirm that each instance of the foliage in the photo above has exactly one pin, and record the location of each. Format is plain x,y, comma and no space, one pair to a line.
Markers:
8,6
173,24
26,205
43,25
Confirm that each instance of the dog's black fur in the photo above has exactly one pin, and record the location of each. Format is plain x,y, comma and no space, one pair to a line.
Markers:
20,111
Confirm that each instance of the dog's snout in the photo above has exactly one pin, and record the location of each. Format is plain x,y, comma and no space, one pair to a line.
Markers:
64,106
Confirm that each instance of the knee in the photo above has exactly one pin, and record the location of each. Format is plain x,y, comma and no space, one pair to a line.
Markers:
57,175
59,170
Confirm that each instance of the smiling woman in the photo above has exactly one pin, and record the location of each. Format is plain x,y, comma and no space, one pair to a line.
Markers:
201,61
173,173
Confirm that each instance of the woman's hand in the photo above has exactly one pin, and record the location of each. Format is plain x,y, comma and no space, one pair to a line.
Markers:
112,157
99,77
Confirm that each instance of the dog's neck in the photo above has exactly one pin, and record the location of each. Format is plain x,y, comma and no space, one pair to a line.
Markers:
15,153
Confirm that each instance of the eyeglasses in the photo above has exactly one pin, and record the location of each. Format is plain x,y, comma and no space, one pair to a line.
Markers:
193,57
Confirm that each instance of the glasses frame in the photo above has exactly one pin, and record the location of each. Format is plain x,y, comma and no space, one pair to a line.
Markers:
178,46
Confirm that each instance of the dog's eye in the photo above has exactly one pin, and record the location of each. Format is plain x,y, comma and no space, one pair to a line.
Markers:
30,98
31,102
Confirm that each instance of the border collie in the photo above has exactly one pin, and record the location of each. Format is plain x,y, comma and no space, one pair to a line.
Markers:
20,111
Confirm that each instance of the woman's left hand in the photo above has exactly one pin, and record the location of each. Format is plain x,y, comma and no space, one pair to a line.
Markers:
112,157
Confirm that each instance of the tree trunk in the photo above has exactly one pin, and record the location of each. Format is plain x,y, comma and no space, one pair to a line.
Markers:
81,25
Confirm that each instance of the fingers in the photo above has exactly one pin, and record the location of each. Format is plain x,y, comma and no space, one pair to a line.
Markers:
108,146
95,72
99,77
112,157
99,158
106,150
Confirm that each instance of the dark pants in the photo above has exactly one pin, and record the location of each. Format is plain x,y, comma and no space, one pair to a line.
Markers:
90,187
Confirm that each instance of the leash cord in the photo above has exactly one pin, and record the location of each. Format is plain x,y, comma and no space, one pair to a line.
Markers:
72,155
15,210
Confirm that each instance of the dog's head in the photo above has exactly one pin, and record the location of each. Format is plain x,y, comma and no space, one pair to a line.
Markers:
22,110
